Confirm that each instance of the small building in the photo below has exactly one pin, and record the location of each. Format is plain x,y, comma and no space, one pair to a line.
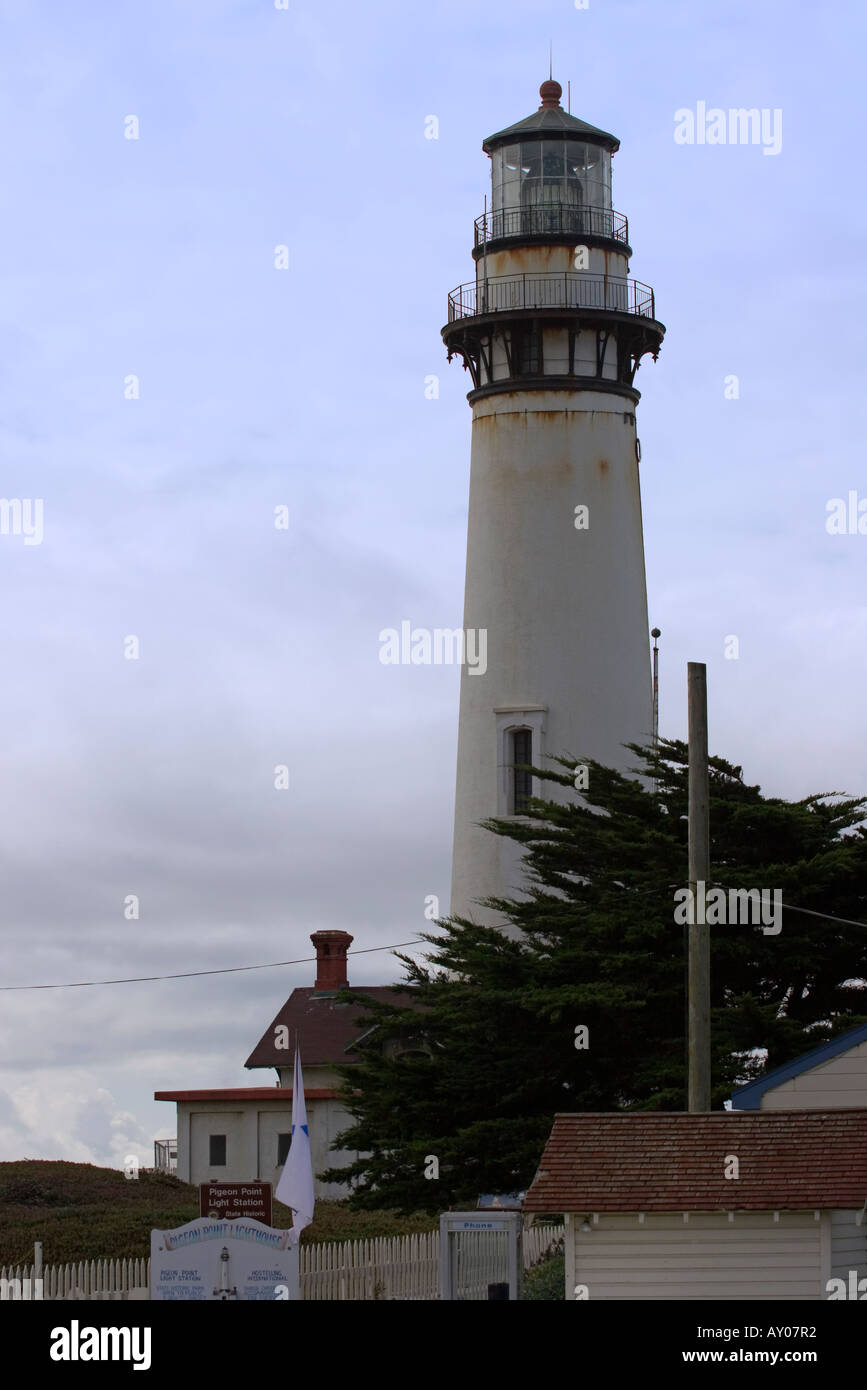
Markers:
740,1204
240,1133
831,1076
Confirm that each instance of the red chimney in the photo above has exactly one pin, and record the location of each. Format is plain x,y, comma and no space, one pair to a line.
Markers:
331,948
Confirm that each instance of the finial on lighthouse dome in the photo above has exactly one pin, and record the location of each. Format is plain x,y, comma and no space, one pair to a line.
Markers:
550,92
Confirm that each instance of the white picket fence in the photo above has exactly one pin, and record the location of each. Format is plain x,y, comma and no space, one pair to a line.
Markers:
390,1267
90,1279
387,1267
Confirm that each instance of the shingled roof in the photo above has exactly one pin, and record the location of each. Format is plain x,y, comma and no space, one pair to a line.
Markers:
789,1160
326,1029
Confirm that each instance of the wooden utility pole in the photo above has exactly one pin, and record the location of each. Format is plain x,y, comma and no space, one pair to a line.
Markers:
698,1090
655,632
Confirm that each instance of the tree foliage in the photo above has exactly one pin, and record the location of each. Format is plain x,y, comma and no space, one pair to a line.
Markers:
474,1073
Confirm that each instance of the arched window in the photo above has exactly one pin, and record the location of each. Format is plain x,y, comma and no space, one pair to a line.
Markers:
520,734
521,752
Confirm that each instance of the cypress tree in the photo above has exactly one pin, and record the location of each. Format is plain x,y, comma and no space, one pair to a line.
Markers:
467,1082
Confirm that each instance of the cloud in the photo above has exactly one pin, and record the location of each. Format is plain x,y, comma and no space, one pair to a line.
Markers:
77,1120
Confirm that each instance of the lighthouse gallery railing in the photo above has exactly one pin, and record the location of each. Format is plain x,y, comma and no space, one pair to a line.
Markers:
550,290
551,219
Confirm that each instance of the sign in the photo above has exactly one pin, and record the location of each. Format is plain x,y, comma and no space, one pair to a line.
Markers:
221,1200
214,1261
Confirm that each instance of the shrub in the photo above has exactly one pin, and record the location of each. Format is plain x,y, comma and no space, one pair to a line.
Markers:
546,1280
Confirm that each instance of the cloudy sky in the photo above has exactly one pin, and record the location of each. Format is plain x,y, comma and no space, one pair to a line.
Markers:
153,259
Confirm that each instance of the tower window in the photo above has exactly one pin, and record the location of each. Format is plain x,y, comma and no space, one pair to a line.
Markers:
528,352
217,1151
522,781
283,1143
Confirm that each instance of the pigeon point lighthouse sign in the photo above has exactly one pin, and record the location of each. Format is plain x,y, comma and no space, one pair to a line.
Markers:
552,331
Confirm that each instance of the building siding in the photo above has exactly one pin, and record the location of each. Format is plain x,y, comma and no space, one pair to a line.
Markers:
251,1141
841,1082
848,1245
749,1258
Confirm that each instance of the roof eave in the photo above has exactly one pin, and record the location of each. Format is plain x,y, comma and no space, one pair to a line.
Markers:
749,1096
535,126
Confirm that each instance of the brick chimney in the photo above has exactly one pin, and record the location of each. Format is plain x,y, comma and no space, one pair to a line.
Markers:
331,948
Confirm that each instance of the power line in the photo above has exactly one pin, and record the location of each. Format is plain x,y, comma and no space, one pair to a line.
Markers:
189,974
808,911
307,960
847,921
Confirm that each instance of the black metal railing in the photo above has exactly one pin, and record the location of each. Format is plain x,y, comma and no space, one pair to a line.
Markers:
550,219
551,290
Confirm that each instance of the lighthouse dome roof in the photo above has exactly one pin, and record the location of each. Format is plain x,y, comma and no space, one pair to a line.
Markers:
551,122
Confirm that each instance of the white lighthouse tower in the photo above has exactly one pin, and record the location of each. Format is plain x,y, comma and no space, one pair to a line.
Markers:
552,331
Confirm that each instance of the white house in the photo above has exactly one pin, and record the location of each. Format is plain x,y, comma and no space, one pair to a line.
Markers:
740,1204
832,1075
241,1133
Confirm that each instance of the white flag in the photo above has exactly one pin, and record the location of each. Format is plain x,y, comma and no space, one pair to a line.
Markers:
295,1188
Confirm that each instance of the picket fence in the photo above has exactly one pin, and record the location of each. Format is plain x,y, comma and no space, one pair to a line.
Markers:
389,1267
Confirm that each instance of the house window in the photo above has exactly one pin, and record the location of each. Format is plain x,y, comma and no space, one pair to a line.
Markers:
283,1142
521,741
217,1153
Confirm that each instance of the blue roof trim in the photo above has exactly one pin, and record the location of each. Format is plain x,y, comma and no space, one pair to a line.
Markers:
749,1097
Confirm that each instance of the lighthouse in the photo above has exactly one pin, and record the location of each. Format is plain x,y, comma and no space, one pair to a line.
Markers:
551,331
